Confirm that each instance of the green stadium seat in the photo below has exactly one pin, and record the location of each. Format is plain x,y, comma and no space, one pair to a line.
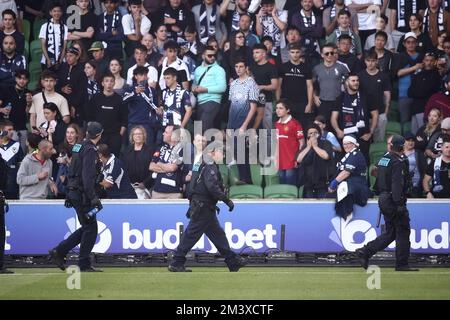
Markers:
246,191
26,51
394,115
393,127
37,27
300,191
377,147
255,171
35,50
281,191
26,25
225,175
407,127
271,179
35,72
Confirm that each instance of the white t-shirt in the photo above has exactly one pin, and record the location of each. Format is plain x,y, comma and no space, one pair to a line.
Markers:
177,65
37,105
129,26
367,21
152,74
43,35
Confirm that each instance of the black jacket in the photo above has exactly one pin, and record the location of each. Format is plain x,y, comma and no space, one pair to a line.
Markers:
393,176
137,164
206,184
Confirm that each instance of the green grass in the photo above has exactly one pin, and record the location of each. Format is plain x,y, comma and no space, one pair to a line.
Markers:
217,283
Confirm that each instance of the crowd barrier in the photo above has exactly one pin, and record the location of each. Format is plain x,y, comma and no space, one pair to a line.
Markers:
254,226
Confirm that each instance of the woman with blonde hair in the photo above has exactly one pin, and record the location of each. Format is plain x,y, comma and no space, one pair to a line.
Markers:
136,160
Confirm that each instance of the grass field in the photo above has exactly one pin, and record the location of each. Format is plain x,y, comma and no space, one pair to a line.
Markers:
249,283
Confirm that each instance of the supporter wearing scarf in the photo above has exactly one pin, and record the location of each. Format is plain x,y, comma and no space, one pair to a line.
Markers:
207,25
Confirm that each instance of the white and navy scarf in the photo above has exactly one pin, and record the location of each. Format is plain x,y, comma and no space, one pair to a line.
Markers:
306,20
353,113
271,29
92,88
426,20
170,107
54,49
405,8
207,29
114,24
235,21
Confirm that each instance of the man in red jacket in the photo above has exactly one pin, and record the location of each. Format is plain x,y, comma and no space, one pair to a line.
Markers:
440,100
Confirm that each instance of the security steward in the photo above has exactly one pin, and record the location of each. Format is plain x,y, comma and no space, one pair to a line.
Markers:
204,191
392,182
83,176
3,211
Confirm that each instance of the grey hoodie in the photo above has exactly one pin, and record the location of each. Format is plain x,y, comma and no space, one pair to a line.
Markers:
30,187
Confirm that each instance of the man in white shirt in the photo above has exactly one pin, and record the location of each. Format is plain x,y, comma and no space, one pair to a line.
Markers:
367,10
135,24
171,60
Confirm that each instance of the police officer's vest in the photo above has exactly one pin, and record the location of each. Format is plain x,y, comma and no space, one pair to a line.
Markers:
384,175
74,177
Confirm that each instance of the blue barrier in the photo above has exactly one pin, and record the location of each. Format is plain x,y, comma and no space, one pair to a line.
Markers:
153,226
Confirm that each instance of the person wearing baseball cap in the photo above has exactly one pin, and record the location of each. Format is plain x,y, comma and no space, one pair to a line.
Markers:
392,182
351,179
97,50
83,176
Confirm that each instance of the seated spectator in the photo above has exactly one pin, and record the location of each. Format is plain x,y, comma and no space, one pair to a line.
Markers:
116,182
97,51
352,169
327,135
382,22
9,29
436,183
140,54
167,167
316,164
136,161
290,140
115,67
110,29
10,62
34,175
434,147
11,152
414,166
344,28
424,43
440,100
53,36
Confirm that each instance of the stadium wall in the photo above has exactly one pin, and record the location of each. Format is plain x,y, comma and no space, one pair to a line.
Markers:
254,226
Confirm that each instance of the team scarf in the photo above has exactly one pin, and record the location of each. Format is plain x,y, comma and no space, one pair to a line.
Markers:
235,21
170,107
426,20
271,29
92,88
341,164
207,30
353,113
437,186
115,22
306,19
403,11
334,9
54,49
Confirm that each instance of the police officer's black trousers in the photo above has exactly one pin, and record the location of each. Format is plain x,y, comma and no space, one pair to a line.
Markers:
2,235
85,236
397,228
204,222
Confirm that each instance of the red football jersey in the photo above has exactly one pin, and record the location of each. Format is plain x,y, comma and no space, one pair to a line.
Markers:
289,134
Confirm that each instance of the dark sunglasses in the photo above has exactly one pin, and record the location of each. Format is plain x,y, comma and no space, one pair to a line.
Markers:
329,53
211,55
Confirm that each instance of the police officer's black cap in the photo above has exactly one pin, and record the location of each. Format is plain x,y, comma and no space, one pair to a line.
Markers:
398,141
94,129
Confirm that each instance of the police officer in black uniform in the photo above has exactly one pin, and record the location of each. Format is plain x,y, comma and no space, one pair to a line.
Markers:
84,174
392,182
3,210
205,189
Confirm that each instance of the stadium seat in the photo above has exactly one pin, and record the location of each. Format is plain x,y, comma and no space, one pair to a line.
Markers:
246,191
26,25
300,191
407,127
26,51
37,27
281,191
225,175
35,50
393,127
35,71
377,147
255,171
271,179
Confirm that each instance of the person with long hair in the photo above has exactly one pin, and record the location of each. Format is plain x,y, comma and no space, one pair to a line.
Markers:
238,50
424,135
116,69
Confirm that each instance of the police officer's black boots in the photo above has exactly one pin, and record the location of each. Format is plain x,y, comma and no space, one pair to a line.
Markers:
363,258
239,263
57,259
5,271
406,268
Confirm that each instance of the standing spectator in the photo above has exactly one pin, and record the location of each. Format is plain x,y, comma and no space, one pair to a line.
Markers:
328,77
53,128
376,86
160,38
136,161
34,175
135,24
295,83
110,29
154,58
316,164
142,105
290,140
434,147
423,85
327,135
10,62
414,166
53,35
140,54
208,22
245,24
238,51
167,166
409,62
97,50
91,85
424,135
48,94
344,28
88,22
382,22
12,154
115,67
243,97
400,11
176,102
436,183
424,43
8,5
266,76
346,57
71,76
176,16
367,13
353,170
435,19
330,17
440,100
232,17
292,36
209,86
19,98
272,22
385,57
352,114
116,182
107,109
9,29
171,60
